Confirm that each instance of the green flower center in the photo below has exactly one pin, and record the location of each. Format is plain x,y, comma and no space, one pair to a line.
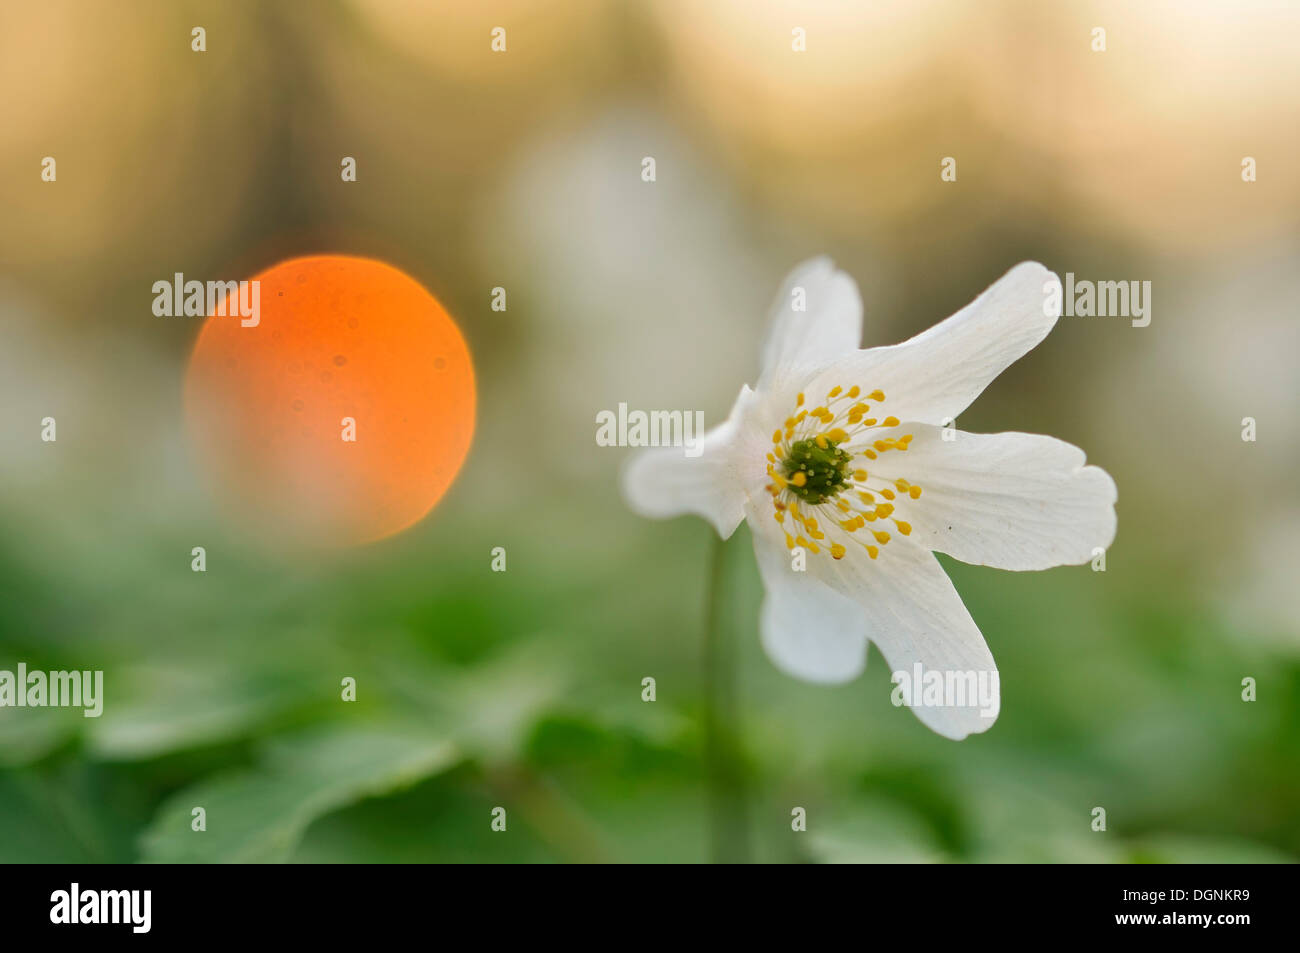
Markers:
824,468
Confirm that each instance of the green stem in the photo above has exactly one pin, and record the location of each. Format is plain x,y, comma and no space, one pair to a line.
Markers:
728,822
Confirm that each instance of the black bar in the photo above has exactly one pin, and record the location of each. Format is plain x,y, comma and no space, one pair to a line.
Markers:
994,903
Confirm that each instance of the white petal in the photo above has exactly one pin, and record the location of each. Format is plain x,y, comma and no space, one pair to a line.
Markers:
1009,500
937,374
809,630
828,329
914,615
665,481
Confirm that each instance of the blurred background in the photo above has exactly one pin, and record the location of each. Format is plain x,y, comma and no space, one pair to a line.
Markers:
522,170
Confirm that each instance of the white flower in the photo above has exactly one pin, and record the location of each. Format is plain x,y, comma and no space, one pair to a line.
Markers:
841,452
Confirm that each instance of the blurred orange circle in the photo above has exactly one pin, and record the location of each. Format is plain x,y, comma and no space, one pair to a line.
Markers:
345,412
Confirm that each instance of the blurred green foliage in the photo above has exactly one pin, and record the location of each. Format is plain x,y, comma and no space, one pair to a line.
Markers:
522,689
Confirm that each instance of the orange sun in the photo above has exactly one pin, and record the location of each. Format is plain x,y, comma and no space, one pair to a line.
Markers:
345,412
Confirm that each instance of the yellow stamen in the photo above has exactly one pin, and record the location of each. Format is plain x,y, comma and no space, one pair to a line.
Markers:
849,506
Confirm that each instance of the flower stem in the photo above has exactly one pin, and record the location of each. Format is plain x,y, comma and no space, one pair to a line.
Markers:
728,822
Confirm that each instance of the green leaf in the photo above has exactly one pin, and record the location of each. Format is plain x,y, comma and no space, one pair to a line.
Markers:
29,734
1191,849
259,816
871,831
161,709
41,822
